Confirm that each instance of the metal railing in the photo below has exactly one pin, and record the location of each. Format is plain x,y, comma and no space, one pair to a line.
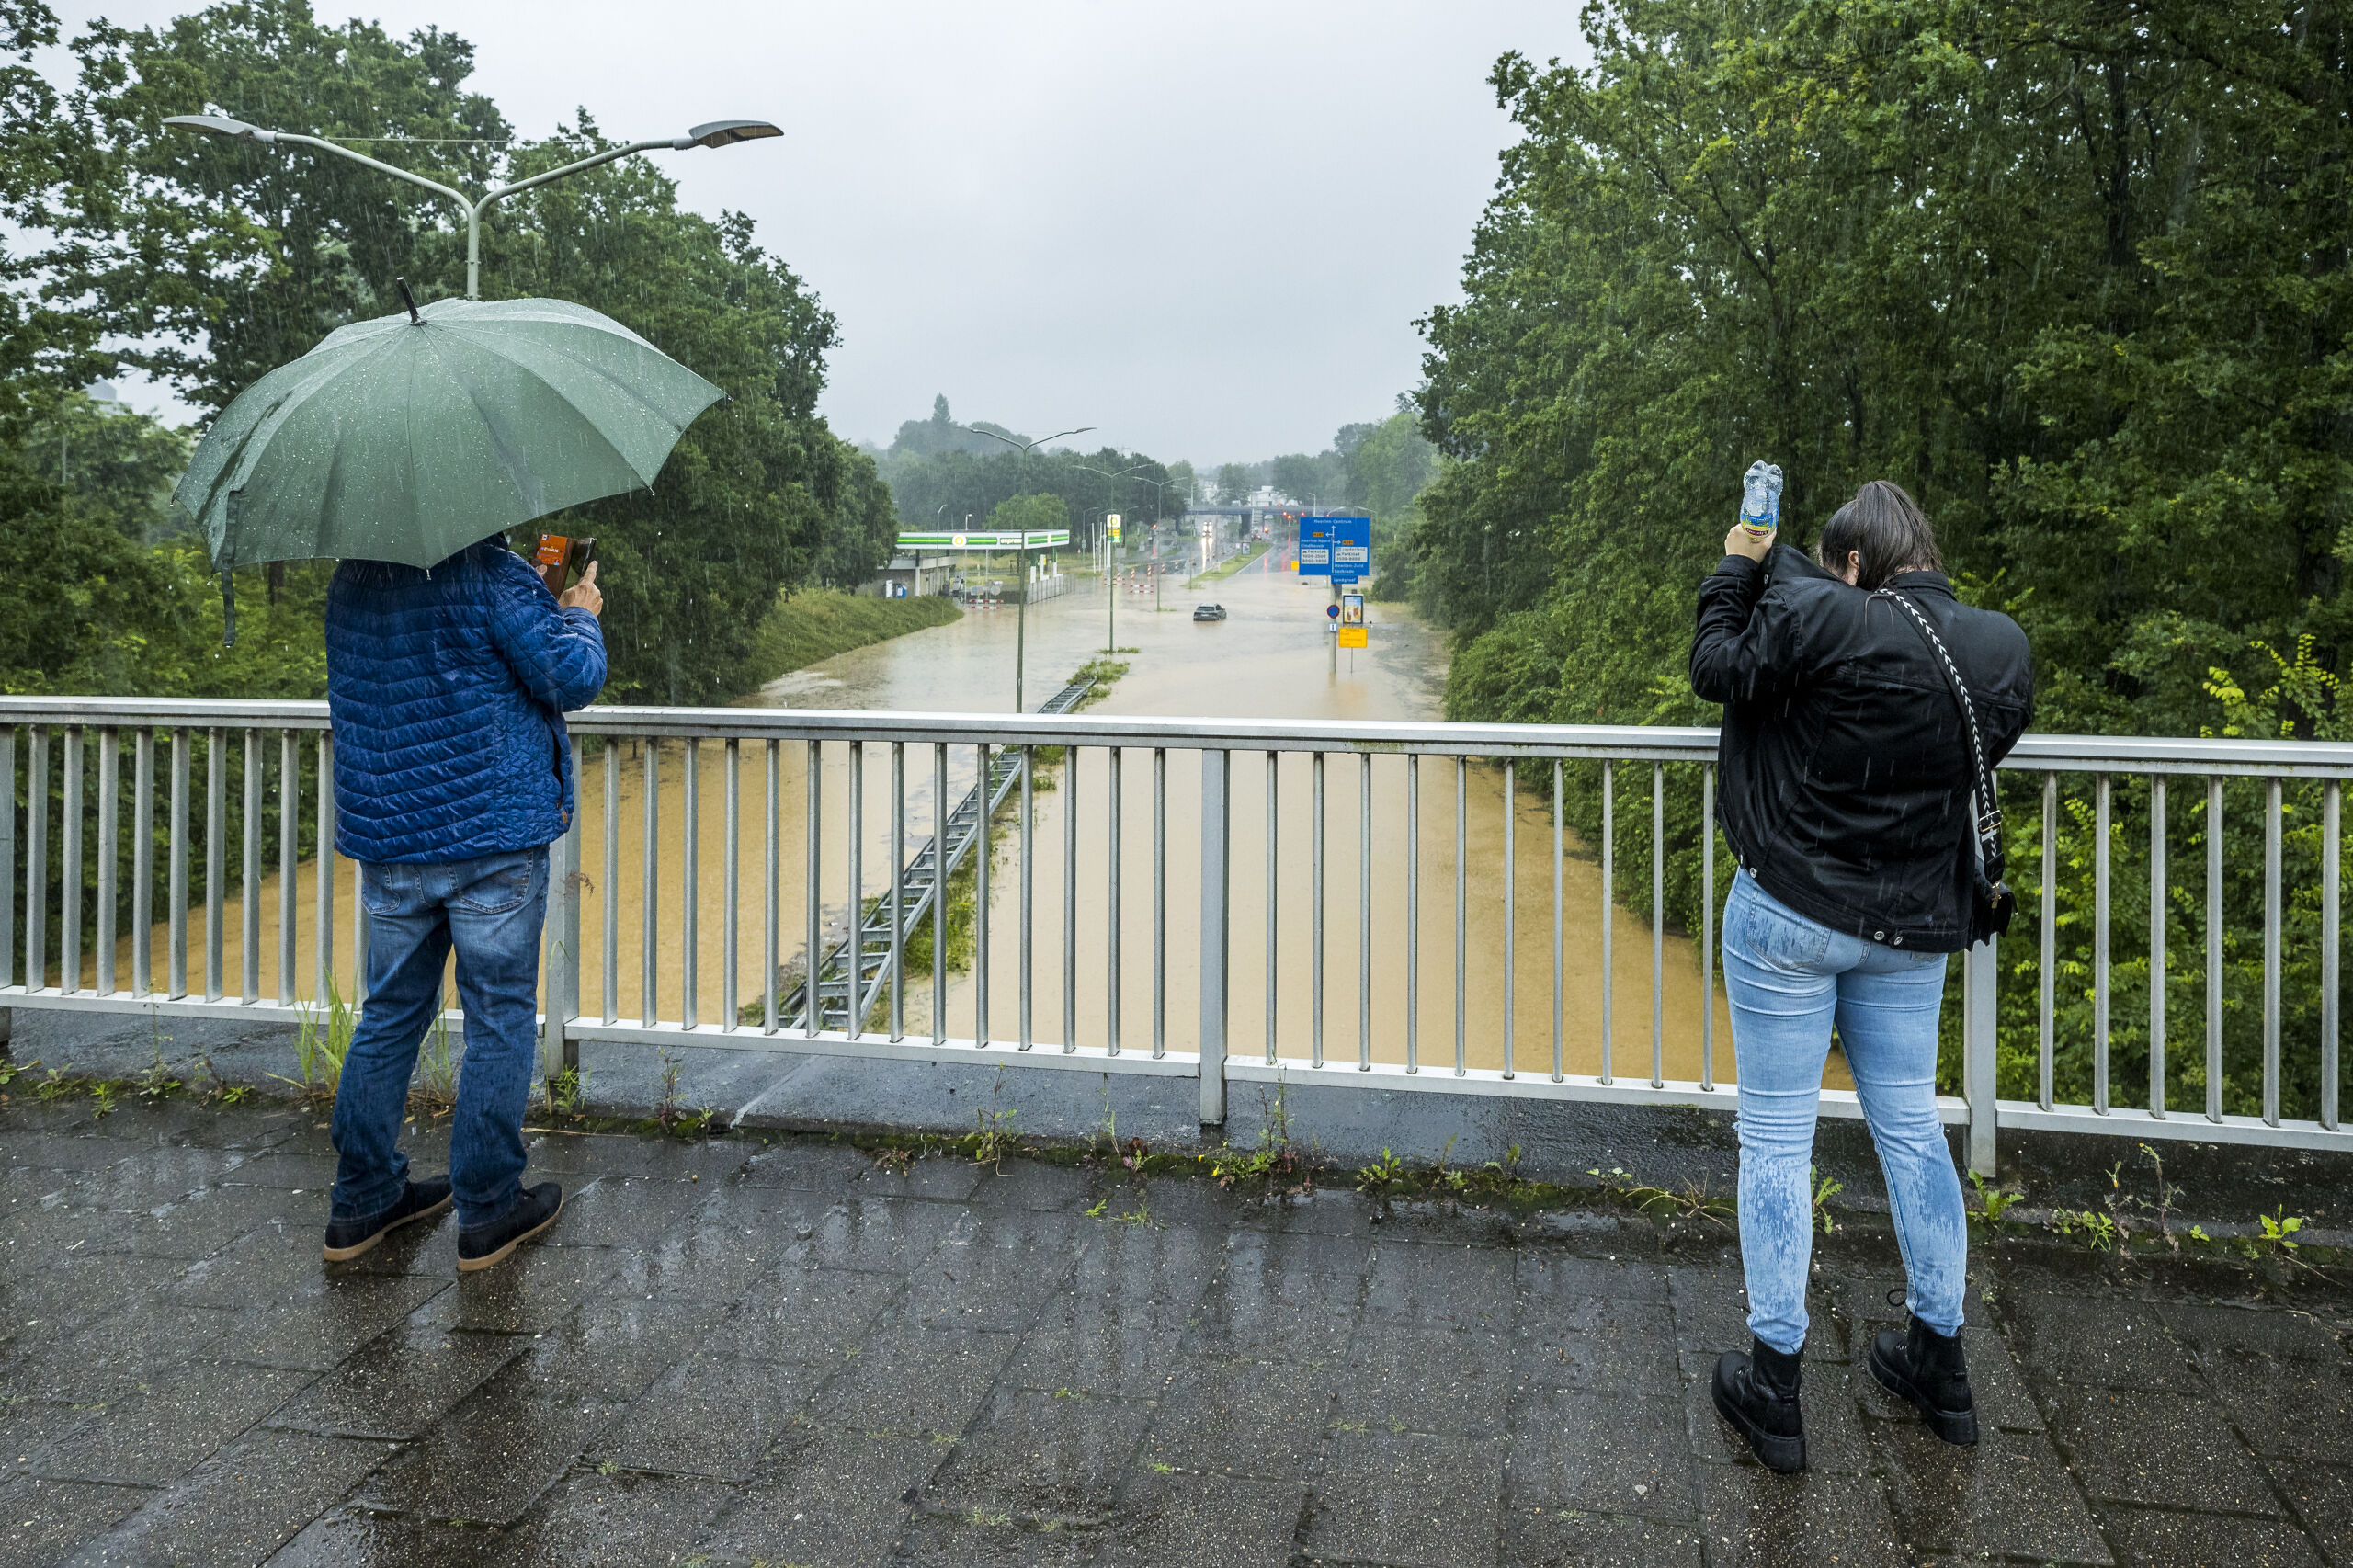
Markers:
1476,832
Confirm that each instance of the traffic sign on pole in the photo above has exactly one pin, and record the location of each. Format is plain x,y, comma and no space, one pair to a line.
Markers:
1337,548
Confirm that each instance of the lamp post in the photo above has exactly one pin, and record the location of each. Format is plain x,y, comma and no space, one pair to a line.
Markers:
716,133
1021,627
1110,578
1158,485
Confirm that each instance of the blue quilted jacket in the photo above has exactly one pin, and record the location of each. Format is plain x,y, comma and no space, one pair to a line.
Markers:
447,685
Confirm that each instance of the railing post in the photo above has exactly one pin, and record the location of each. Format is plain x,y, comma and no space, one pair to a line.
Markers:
1977,994
558,1050
1216,779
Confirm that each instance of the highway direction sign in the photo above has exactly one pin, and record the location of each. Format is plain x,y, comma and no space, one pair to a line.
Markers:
1337,548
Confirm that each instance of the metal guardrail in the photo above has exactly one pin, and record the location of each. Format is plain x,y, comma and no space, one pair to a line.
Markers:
279,752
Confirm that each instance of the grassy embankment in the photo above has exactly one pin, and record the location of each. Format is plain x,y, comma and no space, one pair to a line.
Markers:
808,627
1229,568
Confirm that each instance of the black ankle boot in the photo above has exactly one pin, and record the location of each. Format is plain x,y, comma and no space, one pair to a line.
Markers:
1926,1368
1759,1394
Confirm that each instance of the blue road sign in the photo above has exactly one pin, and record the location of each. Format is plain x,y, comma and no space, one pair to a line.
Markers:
1337,548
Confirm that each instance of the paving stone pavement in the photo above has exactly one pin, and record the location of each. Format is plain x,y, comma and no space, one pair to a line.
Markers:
738,1353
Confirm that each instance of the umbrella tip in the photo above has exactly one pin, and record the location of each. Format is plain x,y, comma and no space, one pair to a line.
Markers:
409,299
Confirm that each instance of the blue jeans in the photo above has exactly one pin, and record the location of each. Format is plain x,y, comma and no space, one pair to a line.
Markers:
1789,979
490,909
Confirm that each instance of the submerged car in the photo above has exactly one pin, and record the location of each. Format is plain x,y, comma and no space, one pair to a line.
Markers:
1208,612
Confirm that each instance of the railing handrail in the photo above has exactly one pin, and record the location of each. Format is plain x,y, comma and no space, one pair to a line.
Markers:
2034,753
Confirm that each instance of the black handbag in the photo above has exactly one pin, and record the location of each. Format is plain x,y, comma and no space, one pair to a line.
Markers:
1991,902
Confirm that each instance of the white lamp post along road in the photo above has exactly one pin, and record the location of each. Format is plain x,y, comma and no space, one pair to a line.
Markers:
717,133
1021,622
1110,575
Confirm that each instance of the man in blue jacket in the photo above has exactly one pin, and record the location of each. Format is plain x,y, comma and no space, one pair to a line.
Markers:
447,685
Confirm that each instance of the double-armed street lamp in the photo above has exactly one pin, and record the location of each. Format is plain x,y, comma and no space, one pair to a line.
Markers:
1021,623
1110,578
716,133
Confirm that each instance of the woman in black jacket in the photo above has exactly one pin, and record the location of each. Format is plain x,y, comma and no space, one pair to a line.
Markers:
1847,761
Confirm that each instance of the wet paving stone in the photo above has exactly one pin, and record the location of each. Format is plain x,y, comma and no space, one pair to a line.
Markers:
710,1416
1621,1345
1410,1499
2288,1409
734,1352
2322,1497
43,1522
841,1500
1041,1455
1574,1539
1402,1378
913,1381
1251,1419
1751,1518
489,1458
2008,1496
804,1315
2114,1345
1456,1287
238,1507
2168,1540
1602,1453
2131,1446
400,1383
1203,1521
171,1421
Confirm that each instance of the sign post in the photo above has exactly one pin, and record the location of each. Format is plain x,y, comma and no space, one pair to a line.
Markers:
1340,549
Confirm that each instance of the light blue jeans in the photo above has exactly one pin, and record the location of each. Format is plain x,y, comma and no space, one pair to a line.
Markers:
489,910
1789,979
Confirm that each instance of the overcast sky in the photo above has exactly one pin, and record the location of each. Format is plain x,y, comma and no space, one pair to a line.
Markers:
975,190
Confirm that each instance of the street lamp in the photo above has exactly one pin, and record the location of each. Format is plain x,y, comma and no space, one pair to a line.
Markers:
717,133
1021,624
1110,578
1158,485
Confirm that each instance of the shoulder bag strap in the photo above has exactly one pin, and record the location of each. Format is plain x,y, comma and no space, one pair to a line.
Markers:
1989,803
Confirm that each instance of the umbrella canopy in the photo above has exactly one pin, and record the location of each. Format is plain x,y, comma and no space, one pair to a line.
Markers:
409,437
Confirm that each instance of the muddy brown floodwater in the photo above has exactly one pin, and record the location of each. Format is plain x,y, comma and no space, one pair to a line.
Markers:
1271,659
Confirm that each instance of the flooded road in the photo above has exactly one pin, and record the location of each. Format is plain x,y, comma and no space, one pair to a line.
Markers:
1271,658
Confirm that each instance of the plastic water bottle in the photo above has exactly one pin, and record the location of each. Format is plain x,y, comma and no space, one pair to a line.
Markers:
1760,499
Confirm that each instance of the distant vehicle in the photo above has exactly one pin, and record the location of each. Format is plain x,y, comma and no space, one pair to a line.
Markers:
1208,612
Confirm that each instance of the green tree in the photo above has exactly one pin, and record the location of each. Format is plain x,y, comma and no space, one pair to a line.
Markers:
1233,484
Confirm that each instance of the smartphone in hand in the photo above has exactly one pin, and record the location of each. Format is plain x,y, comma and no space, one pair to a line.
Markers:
562,560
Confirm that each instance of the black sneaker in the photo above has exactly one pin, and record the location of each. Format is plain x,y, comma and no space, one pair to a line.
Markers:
488,1244
346,1239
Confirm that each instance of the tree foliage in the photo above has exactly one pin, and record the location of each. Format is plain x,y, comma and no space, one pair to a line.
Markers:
207,262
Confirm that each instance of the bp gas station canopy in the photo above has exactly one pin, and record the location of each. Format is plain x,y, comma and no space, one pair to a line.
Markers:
1035,538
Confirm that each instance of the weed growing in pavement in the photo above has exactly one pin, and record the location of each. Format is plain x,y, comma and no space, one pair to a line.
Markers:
1825,1189
993,1137
2097,1229
568,1091
9,1068
322,1042
1694,1202
1381,1175
895,1160
102,1096
55,1087
666,1111
2279,1229
1992,1203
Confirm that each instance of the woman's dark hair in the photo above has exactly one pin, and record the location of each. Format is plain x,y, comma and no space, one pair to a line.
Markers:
1886,527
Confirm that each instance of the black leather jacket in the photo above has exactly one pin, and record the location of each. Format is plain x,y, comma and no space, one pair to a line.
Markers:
1845,761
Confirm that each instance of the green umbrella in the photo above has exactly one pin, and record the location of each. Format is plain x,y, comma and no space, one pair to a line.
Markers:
409,437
